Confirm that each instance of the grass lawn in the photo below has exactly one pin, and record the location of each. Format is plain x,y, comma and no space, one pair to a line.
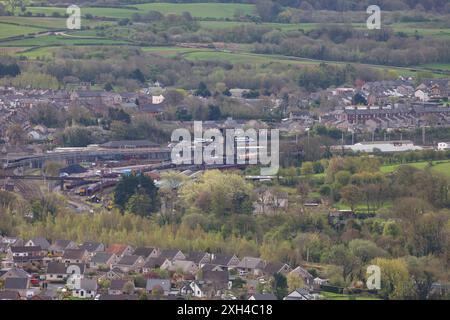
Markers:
407,28
438,166
438,66
169,52
49,40
254,58
10,30
12,50
199,10
118,13
336,296
49,22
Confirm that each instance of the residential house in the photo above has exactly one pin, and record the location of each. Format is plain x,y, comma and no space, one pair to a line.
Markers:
200,258
200,289
182,266
14,273
262,297
38,242
172,254
162,285
120,250
96,97
421,95
115,274
56,272
308,279
58,247
20,285
211,267
250,265
154,263
299,294
60,272
224,261
92,247
186,289
13,242
319,282
147,252
269,201
121,286
218,279
71,256
103,259
272,268
87,289
9,295
22,255
130,263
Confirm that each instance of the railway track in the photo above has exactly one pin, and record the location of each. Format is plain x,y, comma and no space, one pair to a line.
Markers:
27,189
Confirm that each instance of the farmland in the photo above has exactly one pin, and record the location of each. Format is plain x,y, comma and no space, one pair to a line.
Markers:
442,167
211,16
197,10
117,13
9,30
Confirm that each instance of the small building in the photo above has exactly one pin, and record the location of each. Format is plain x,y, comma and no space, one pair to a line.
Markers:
120,250
121,286
251,265
130,263
299,294
146,252
87,289
103,259
19,285
263,296
58,247
92,247
71,256
162,285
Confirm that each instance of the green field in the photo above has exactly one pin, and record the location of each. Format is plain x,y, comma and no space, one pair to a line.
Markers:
199,10
336,296
9,30
49,40
442,167
118,13
437,66
243,55
48,22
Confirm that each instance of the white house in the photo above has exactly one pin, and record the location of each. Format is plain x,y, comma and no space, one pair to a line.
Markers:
158,99
87,289
198,290
421,95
